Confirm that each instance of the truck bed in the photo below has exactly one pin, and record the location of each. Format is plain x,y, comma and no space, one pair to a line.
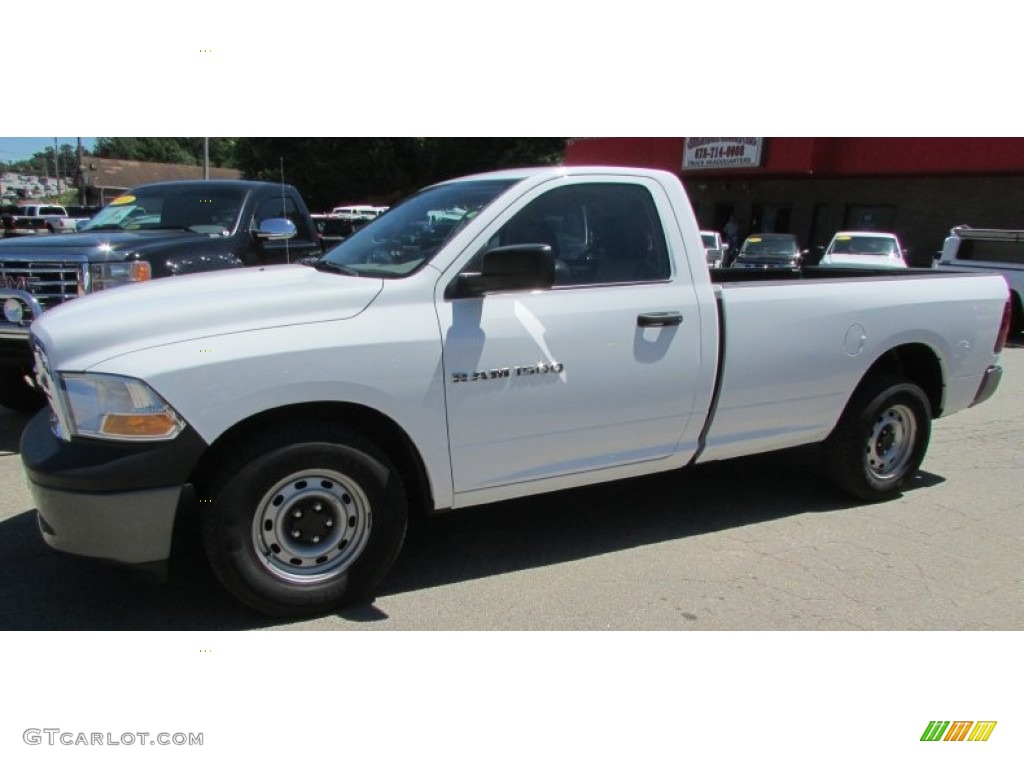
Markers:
791,356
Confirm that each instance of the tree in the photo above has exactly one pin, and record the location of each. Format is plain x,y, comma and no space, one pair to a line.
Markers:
333,171
182,151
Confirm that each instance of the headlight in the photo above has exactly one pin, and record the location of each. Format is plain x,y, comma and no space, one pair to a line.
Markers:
14,311
113,274
116,408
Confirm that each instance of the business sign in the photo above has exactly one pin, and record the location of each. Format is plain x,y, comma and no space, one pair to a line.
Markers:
722,153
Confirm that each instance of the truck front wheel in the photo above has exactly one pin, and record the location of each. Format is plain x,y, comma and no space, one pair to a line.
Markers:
881,439
306,525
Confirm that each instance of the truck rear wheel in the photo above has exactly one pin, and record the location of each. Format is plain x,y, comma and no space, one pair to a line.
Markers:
881,439
305,525
17,394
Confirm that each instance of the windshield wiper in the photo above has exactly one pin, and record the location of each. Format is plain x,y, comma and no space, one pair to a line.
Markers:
329,266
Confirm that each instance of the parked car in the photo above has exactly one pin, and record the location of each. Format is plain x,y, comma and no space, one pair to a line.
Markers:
989,250
167,229
331,229
82,214
714,247
769,251
36,218
881,250
358,212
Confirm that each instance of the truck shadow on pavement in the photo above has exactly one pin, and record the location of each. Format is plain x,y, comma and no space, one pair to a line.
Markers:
572,525
45,590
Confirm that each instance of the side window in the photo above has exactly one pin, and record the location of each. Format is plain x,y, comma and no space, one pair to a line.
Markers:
599,234
283,208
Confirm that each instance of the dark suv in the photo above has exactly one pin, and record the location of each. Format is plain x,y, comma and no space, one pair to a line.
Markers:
769,251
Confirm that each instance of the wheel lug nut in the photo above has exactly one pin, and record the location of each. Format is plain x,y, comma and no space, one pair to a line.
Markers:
296,535
316,539
297,514
329,523
318,506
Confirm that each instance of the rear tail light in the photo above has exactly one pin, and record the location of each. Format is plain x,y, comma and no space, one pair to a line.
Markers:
1004,327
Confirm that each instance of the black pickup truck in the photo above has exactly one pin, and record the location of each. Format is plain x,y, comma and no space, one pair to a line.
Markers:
155,230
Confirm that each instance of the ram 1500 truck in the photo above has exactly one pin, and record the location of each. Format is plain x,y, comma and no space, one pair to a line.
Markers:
492,337
156,230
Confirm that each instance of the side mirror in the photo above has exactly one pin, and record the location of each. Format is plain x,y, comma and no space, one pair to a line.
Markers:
275,229
509,268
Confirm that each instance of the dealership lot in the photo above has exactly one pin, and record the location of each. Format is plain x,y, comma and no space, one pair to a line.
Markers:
763,543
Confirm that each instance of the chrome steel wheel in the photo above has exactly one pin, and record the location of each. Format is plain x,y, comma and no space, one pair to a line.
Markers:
891,443
881,438
311,526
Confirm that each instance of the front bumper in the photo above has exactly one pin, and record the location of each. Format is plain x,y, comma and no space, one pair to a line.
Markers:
115,501
134,528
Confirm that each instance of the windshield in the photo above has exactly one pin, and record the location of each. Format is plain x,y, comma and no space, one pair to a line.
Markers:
412,233
212,210
864,246
770,246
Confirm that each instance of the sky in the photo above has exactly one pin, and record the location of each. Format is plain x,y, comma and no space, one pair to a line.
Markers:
13,149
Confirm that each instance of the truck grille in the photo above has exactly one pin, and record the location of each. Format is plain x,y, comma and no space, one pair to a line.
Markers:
51,283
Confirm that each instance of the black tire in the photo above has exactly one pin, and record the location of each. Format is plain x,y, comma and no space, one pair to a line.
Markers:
1016,315
881,439
17,394
304,523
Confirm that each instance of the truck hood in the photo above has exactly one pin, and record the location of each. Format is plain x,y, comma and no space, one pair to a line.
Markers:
94,246
89,330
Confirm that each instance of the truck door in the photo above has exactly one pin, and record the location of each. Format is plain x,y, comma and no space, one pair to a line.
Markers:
599,371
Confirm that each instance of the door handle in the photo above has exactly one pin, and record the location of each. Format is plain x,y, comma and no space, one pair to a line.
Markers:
659,319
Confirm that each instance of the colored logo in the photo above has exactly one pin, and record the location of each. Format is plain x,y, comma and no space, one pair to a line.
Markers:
958,730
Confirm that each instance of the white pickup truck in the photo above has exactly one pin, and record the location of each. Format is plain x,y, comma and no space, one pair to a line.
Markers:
37,218
564,331
972,249
714,248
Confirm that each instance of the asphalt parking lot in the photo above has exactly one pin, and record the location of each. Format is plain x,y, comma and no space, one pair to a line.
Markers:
764,543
